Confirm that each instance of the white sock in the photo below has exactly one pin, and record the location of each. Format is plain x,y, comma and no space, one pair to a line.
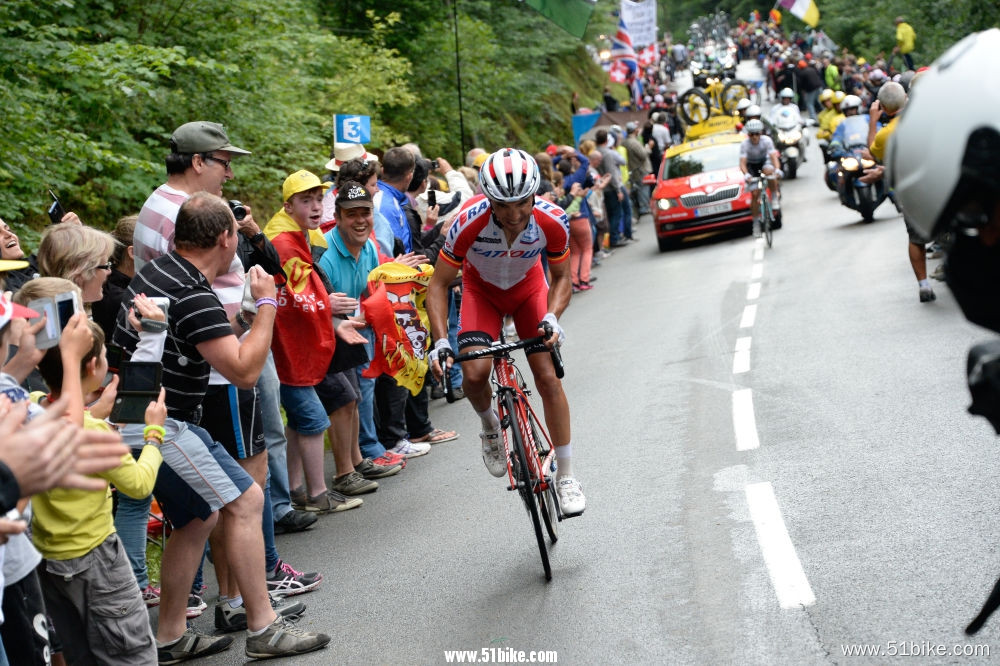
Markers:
564,460
490,419
236,601
259,631
924,283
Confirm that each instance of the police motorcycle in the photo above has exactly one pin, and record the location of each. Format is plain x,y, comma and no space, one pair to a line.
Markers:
789,141
848,165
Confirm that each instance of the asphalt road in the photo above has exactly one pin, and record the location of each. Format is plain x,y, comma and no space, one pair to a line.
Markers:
883,523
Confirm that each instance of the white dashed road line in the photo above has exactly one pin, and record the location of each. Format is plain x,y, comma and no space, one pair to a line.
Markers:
744,422
787,576
783,564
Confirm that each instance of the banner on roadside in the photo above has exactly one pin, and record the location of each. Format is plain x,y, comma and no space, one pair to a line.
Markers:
640,17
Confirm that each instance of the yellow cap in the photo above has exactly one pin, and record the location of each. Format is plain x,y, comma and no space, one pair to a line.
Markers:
478,162
300,181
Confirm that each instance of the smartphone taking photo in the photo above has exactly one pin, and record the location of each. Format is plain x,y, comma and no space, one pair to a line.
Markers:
56,211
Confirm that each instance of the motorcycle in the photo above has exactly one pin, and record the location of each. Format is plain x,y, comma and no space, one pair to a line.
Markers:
790,142
851,165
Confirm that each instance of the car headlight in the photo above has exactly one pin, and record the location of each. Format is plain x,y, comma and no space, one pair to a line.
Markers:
868,164
793,136
849,164
666,204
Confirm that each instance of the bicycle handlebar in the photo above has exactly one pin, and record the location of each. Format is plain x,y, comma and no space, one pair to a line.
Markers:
501,349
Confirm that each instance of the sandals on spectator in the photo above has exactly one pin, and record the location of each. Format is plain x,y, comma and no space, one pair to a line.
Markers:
436,436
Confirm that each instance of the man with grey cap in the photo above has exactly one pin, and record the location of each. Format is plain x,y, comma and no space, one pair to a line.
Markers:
639,167
200,153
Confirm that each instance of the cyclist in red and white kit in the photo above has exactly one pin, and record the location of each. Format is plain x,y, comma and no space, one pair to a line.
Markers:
498,240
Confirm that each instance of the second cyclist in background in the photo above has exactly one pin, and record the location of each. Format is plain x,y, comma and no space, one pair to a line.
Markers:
756,151
498,241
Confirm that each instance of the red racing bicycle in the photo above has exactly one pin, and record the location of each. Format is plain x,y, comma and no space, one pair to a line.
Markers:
527,446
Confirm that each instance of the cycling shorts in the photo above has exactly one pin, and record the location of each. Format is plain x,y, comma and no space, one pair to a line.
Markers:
484,306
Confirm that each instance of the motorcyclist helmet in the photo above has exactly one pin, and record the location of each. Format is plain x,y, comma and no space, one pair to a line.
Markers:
850,102
509,175
964,170
786,93
743,104
753,111
754,126
838,97
827,94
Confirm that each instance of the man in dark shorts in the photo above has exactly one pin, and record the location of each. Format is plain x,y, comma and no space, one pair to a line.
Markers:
201,336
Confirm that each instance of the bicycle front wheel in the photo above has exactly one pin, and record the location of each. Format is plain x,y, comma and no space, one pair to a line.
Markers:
523,476
767,219
548,501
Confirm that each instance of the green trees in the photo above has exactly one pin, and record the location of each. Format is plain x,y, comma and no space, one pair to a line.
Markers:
91,90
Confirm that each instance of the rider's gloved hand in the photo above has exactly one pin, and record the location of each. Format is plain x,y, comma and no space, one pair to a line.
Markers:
779,174
442,349
557,331
747,177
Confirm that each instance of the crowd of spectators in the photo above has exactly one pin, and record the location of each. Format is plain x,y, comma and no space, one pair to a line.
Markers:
258,335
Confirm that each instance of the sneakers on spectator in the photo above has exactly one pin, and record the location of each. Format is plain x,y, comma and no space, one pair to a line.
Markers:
938,273
151,596
196,606
388,459
457,393
571,499
353,483
299,497
191,645
294,521
285,581
408,449
437,392
332,502
283,638
493,454
228,618
370,469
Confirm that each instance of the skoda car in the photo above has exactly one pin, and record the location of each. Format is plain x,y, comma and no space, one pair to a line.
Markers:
699,189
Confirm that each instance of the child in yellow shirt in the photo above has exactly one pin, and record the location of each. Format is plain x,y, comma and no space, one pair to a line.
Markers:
88,585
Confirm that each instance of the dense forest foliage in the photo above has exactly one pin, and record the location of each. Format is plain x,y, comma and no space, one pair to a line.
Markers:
91,89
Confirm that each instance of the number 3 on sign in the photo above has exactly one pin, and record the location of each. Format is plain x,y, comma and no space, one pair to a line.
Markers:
353,129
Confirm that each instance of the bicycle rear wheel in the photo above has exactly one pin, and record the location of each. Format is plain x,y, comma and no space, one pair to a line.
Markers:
548,503
523,477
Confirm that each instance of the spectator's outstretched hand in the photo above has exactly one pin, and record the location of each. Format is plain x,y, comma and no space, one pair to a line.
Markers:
347,330
50,451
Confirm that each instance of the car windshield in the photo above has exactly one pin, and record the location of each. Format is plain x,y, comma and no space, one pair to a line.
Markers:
710,158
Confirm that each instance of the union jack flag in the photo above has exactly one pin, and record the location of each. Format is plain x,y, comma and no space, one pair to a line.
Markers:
621,48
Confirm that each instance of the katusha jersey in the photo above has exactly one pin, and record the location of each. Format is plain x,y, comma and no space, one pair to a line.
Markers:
478,240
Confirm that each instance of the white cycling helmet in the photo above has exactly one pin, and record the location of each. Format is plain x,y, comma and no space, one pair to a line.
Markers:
959,89
754,126
509,175
786,92
850,102
743,104
753,111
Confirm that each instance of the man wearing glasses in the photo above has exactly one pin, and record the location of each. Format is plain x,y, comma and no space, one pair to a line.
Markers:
199,159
